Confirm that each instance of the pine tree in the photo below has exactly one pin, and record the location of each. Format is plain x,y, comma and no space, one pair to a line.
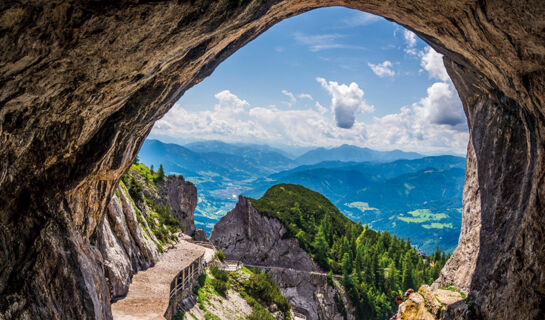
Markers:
407,280
321,247
160,174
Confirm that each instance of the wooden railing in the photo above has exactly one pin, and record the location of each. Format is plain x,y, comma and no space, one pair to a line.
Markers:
186,277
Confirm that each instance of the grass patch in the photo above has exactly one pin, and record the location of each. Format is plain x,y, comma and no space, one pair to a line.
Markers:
454,289
423,215
437,225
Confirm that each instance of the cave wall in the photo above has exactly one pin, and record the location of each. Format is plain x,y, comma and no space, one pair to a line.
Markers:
82,82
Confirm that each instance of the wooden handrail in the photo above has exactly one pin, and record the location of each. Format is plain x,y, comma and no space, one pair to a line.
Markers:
195,269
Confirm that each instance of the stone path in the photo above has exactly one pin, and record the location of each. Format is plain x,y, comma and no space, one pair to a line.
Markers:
149,290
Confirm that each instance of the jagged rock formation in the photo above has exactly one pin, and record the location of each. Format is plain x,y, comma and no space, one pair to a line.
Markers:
82,82
246,235
255,239
182,200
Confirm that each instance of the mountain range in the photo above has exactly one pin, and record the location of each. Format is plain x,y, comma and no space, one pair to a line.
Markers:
406,193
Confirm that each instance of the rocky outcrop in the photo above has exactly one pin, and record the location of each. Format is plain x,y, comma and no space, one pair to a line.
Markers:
256,239
181,197
246,235
313,295
82,82
434,304
200,235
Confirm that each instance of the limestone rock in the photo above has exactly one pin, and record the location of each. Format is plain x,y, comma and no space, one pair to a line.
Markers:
311,294
435,304
182,199
255,239
200,235
246,235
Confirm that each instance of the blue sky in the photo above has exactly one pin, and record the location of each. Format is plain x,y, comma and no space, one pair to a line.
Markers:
323,78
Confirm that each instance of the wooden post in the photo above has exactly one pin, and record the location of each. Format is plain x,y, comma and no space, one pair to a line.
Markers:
175,287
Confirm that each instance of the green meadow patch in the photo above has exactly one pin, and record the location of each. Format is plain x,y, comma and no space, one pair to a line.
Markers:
426,216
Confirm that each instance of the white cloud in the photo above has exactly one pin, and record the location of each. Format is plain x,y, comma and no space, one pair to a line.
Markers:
383,69
346,101
442,106
410,38
230,103
319,42
305,96
321,109
361,19
432,61
290,96
434,124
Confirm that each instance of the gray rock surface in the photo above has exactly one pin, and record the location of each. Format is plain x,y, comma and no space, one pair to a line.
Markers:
82,82
200,235
126,246
255,239
311,294
182,199
246,235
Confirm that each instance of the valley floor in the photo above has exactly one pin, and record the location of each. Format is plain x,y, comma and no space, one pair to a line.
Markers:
149,290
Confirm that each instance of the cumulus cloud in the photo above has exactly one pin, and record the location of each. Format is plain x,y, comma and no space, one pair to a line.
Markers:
432,62
383,69
442,105
433,124
410,38
230,103
346,101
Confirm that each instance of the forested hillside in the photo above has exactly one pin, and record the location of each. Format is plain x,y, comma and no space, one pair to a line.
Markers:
375,266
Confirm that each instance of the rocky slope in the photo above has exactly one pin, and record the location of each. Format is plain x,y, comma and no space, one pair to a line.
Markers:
132,234
82,82
255,239
246,235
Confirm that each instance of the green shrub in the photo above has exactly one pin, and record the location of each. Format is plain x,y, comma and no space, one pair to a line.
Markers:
262,288
220,286
219,274
220,255
202,279
260,313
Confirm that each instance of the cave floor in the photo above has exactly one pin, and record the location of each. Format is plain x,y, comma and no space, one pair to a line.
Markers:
149,290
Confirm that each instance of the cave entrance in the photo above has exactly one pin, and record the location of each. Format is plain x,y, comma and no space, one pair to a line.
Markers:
66,141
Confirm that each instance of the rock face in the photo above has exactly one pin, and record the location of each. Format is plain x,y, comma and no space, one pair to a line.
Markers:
200,235
246,235
82,82
312,295
255,239
432,304
126,245
182,200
